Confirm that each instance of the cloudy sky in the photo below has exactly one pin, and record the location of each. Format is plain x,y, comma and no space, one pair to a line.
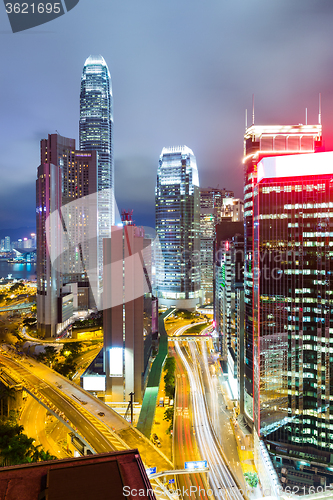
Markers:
183,72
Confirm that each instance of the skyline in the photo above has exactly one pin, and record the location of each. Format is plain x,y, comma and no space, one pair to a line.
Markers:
174,82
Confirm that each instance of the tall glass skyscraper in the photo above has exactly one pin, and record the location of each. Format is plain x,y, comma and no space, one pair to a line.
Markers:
95,130
178,228
260,142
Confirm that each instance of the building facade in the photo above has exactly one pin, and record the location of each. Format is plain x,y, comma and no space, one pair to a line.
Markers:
66,223
261,142
292,313
178,228
229,281
211,201
127,317
96,132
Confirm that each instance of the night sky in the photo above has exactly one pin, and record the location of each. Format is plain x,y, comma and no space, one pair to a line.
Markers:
183,72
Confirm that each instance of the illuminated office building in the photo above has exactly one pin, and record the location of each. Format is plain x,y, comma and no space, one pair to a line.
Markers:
261,142
211,201
292,304
229,265
288,287
66,222
7,246
178,227
96,132
129,310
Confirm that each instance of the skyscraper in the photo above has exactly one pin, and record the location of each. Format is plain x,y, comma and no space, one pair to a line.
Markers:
95,131
7,244
260,142
127,316
178,227
210,215
286,313
66,222
292,311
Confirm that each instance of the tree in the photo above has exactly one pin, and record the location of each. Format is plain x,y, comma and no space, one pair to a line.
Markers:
252,479
67,369
16,286
29,321
17,448
72,348
168,414
48,356
169,377
6,393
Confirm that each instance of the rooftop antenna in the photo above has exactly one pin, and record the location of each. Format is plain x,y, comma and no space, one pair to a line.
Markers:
252,109
306,116
246,119
319,116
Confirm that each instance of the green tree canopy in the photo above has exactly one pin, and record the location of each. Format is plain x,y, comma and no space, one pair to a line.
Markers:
17,448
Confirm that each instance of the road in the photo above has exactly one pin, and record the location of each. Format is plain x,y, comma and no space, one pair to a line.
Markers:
84,361
103,433
33,418
219,416
220,478
184,442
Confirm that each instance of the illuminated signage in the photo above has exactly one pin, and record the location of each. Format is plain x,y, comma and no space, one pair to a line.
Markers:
116,362
151,470
298,165
94,383
200,464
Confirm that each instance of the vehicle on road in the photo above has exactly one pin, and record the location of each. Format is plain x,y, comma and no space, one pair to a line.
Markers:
156,440
101,414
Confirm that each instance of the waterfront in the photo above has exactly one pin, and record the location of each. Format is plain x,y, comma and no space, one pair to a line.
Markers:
18,271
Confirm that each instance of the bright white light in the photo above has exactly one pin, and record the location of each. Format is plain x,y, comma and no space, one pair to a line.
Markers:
298,165
94,383
116,362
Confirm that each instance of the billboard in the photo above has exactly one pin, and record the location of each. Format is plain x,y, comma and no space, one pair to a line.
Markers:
94,382
116,361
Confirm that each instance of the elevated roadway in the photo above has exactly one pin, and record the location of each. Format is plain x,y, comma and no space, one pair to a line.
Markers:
105,432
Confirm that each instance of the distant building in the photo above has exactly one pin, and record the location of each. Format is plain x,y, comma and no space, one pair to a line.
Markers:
178,228
27,243
232,209
128,308
7,247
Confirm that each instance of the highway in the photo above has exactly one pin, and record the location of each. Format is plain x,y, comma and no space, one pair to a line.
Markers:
33,417
221,480
184,442
220,417
104,433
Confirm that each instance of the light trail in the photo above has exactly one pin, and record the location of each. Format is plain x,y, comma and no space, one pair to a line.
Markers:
222,482
214,406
